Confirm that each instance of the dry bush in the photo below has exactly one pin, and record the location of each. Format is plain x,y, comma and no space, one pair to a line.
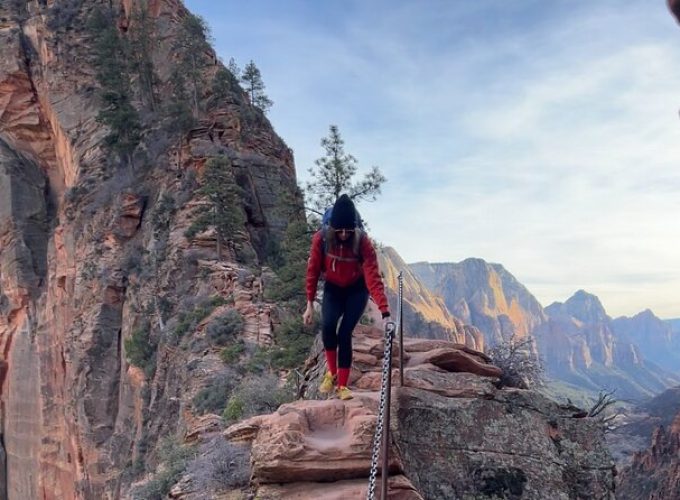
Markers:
521,366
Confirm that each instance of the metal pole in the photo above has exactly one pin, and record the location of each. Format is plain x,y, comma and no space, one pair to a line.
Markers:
400,322
389,335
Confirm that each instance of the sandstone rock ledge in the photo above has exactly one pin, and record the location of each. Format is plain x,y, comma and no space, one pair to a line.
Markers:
453,436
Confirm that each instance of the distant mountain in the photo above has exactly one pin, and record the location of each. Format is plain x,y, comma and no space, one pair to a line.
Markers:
580,346
425,314
484,295
674,324
656,339
576,339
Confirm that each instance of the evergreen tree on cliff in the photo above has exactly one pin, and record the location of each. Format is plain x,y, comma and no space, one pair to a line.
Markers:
334,174
254,87
113,74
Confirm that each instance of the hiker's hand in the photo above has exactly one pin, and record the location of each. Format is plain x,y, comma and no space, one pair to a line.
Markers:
308,314
386,320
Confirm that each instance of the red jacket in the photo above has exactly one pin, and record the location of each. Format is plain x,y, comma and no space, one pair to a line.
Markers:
346,272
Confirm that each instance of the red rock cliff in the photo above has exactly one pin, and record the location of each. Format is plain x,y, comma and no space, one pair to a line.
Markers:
87,252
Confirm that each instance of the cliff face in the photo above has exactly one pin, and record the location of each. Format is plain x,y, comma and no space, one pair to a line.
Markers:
425,314
656,338
90,254
484,295
655,472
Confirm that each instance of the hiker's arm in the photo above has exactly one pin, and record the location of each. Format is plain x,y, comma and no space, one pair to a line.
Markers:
314,267
372,275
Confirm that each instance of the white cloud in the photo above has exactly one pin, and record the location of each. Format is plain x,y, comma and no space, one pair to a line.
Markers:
549,143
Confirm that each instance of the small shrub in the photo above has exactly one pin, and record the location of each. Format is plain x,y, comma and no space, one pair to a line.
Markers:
234,410
256,395
260,361
173,459
231,354
214,397
188,320
219,465
199,224
225,327
140,349
162,215
293,345
366,320
521,367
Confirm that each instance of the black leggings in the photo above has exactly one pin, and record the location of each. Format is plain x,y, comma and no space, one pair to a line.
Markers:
348,302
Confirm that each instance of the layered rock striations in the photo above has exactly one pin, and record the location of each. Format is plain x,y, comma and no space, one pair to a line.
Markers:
425,313
654,472
484,295
656,339
92,254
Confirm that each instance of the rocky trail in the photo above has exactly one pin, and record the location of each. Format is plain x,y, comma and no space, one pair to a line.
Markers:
511,443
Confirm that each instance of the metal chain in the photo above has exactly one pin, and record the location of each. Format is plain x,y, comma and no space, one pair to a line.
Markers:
390,329
389,333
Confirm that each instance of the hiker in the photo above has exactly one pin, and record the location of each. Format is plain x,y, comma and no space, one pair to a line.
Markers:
347,258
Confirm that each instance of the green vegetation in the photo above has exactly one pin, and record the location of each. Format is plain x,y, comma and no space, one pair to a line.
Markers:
213,398
223,85
140,349
225,208
254,87
162,215
188,320
225,327
142,43
292,264
293,344
111,60
231,354
256,395
333,175
191,47
173,458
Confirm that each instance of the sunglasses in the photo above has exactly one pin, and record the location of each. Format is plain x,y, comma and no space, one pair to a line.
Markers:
340,231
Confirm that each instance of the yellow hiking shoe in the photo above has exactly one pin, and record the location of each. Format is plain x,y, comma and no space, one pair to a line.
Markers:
327,383
344,393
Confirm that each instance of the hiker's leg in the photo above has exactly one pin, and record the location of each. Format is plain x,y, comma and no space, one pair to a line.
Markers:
354,308
331,309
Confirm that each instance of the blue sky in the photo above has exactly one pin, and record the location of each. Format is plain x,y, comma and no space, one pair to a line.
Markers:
544,136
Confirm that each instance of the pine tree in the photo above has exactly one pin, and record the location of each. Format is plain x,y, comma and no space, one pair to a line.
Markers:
223,85
113,74
290,259
142,43
225,210
191,46
334,173
178,109
234,69
254,87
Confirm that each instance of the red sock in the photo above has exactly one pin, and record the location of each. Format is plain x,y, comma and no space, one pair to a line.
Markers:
332,361
343,377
